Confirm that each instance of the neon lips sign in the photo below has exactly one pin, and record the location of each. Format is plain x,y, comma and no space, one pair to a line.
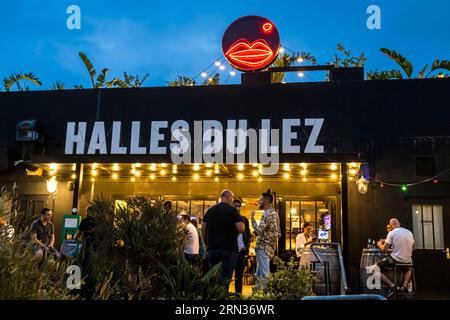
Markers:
251,43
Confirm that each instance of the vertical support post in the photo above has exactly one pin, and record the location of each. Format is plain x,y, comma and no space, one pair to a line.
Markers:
344,215
77,187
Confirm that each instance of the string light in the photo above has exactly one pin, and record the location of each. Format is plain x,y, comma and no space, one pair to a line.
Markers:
204,74
53,167
404,188
305,179
303,165
300,60
222,67
74,167
209,165
217,63
303,172
232,73
163,165
300,74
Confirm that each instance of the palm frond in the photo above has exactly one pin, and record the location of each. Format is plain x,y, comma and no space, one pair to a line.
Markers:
89,67
15,78
400,60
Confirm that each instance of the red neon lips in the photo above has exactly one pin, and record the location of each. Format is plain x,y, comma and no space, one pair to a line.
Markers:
248,56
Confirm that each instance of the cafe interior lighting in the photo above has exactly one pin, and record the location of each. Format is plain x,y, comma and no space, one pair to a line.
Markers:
137,173
73,176
163,165
138,165
52,185
209,173
209,165
133,179
286,175
115,176
152,176
260,179
94,173
255,173
241,166
53,167
115,167
287,167
333,176
333,166
196,176
196,167
153,167
216,179
240,176
174,178
163,172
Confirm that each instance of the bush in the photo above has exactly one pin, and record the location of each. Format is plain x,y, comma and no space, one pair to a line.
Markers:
287,283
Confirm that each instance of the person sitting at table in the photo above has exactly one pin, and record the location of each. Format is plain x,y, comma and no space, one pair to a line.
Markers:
401,241
303,239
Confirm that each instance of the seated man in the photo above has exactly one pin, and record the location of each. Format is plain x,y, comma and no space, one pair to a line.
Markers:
42,234
401,241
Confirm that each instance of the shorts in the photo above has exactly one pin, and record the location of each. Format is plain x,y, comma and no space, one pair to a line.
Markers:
389,263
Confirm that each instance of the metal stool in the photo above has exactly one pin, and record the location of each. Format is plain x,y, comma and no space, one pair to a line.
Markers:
413,279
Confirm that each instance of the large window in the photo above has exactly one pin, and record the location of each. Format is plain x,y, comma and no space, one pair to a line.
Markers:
317,213
428,226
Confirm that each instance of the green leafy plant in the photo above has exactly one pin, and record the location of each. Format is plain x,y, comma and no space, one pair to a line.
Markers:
408,69
344,58
287,283
17,79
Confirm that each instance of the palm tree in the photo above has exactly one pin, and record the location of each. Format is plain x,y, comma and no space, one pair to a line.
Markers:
408,69
16,78
58,85
129,81
286,60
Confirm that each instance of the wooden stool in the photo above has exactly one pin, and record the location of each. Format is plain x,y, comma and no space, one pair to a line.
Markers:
401,266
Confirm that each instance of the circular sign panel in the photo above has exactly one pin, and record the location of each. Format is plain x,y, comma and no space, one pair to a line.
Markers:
251,43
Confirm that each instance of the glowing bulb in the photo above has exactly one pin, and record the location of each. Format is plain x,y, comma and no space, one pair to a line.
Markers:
333,166
209,165
293,211
133,171
163,165
240,166
404,188
115,167
174,178
352,171
216,171
259,179
133,179
303,172
353,164
286,175
300,60
174,170
208,173
216,179
333,176
153,167
204,74
74,176
232,73
196,167
94,165
196,176
137,173
217,63
92,179
163,172
53,167
303,165
305,179
222,67
240,176
74,167
94,173
138,165
300,74
115,176
281,49
287,167
152,176
255,165
255,173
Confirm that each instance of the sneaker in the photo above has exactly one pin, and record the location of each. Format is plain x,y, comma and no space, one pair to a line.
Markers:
390,292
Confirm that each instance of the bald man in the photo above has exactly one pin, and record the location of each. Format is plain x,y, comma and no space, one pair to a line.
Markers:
221,225
401,241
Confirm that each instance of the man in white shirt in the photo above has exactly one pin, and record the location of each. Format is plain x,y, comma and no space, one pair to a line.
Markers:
401,241
191,246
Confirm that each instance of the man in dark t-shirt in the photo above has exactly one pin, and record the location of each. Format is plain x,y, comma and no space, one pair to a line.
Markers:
87,227
42,234
220,228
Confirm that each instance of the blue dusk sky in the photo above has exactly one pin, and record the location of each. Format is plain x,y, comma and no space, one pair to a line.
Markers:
169,38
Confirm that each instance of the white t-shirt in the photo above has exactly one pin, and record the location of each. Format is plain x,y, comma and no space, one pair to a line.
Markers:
401,241
192,244
300,241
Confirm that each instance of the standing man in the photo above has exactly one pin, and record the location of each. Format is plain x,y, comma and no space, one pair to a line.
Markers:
191,245
267,233
243,240
87,227
167,206
220,228
401,241
42,234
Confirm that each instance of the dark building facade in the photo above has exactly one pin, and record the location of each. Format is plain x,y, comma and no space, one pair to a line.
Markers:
325,137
